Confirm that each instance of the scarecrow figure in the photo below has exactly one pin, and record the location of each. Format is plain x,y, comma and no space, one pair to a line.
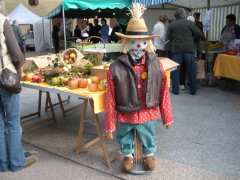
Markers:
137,94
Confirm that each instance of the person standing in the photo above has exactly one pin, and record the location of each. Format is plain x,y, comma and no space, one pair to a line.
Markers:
77,32
104,31
12,155
181,34
159,29
95,31
199,24
197,21
55,37
230,31
115,28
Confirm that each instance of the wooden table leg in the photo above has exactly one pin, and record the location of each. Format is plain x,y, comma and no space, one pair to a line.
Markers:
49,101
46,103
38,113
81,127
39,102
99,134
61,104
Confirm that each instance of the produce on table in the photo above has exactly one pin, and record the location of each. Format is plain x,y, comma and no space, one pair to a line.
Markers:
72,73
93,87
56,62
64,80
37,78
71,56
73,83
95,79
82,83
27,76
102,86
94,59
97,84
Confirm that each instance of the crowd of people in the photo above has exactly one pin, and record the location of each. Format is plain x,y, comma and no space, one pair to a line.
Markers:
180,41
85,29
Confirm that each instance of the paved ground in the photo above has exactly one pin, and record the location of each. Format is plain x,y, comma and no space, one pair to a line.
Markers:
204,143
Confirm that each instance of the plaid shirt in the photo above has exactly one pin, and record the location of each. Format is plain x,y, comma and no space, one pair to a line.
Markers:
145,114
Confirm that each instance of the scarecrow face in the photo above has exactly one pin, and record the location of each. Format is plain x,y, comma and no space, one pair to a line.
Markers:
137,44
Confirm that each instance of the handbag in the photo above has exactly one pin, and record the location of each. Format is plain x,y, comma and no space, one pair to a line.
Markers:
9,81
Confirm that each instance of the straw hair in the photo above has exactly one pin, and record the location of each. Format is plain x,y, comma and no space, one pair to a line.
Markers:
137,10
136,28
150,47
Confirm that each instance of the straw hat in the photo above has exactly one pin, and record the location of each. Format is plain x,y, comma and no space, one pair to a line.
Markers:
136,28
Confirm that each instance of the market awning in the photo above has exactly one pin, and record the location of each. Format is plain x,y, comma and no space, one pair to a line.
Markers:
90,8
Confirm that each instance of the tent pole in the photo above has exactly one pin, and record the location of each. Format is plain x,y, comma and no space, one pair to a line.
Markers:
208,8
208,4
50,29
43,29
64,28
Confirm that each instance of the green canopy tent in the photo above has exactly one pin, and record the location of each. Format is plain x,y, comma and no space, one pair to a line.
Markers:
93,8
89,9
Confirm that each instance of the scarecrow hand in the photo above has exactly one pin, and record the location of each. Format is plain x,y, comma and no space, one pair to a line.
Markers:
109,136
168,126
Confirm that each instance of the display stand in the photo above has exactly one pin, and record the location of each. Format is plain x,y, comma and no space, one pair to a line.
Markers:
138,157
82,146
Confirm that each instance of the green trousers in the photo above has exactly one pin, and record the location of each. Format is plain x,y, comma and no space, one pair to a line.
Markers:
146,133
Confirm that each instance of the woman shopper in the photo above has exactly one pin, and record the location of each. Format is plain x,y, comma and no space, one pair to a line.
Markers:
159,29
12,156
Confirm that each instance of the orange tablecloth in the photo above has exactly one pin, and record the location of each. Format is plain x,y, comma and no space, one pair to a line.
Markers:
227,66
97,97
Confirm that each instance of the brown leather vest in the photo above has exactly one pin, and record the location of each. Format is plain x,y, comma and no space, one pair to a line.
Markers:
124,79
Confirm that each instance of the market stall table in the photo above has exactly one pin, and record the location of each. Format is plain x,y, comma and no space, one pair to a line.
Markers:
96,101
227,66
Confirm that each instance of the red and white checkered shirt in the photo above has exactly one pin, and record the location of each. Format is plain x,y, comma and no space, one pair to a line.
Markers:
145,114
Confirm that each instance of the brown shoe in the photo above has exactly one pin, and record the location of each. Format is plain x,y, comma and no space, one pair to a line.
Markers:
30,160
127,164
149,163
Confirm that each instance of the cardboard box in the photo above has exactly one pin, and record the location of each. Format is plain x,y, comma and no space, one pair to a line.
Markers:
37,62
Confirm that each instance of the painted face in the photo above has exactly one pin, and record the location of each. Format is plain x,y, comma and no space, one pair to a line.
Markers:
137,44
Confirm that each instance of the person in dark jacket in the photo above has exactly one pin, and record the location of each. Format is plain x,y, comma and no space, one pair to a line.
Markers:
181,34
231,30
55,37
95,31
12,155
77,32
198,23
